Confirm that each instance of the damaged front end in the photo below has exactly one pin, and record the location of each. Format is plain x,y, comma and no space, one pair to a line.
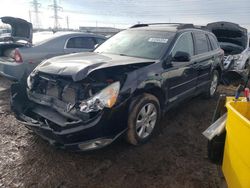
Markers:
76,115
71,115
233,39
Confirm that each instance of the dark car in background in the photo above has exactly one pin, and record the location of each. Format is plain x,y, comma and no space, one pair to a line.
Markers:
86,100
19,54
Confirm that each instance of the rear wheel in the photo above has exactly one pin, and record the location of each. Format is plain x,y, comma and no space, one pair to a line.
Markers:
143,120
214,82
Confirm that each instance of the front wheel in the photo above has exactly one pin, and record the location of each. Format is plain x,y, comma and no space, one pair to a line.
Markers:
214,82
143,119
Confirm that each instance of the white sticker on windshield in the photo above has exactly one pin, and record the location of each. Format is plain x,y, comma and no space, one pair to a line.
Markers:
159,40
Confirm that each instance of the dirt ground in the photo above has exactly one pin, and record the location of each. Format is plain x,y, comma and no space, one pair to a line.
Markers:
175,158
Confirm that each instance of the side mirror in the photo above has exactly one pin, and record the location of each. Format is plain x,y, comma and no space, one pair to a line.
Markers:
181,57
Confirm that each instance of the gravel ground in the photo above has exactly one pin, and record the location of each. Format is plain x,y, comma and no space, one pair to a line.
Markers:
175,158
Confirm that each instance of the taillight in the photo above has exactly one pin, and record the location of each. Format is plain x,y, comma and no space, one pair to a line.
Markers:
17,56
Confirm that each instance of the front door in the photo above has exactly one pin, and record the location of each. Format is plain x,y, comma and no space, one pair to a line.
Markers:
182,75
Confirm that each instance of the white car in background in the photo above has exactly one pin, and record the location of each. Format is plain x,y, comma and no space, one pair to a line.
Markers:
234,40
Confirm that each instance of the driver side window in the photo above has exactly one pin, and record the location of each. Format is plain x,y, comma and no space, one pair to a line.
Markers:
184,44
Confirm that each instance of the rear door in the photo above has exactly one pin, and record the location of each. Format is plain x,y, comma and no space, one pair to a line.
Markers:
218,53
204,59
182,76
79,44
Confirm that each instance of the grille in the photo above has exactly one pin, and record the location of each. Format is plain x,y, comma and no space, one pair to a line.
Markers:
63,91
69,95
52,90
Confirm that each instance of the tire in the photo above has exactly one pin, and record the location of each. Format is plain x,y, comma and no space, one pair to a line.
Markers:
143,119
214,82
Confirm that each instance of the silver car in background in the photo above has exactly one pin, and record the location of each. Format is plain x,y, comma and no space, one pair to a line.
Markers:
234,40
19,55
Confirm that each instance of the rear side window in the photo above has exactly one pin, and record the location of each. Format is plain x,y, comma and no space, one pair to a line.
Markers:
213,42
81,42
201,43
184,44
99,40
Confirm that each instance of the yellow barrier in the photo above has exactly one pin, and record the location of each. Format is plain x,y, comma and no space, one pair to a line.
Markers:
236,161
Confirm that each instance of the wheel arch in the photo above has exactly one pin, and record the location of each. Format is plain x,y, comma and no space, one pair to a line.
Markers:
153,90
219,69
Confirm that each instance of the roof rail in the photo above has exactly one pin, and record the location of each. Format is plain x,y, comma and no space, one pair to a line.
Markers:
185,26
139,25
179,25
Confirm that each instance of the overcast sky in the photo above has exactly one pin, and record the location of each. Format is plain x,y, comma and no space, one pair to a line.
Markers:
123,13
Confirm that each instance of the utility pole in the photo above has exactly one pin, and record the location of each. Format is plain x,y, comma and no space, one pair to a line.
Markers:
67,18
30,16
36,5
56,17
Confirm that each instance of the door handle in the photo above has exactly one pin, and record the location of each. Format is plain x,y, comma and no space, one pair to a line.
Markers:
196,65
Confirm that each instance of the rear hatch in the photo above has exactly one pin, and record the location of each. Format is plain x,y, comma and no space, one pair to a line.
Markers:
231,36
21,35
20,29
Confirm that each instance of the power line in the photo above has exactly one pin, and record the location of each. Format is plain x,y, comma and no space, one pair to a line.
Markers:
120,10
36,5
56,17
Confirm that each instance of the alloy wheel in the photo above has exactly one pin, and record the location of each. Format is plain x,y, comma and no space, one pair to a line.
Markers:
146,120
214,84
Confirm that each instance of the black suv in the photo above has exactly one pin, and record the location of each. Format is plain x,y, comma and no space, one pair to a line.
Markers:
85,101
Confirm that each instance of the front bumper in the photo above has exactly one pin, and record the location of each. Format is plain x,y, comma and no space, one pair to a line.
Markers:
233,64
77,135
58,139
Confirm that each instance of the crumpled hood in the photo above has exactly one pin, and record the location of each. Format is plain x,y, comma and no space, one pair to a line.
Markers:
20,29
79,65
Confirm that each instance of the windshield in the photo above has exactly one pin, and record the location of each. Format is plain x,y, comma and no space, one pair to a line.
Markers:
5,29
137,43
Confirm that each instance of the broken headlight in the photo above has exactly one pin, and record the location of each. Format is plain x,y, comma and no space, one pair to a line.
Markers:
238,57
105,98
30,81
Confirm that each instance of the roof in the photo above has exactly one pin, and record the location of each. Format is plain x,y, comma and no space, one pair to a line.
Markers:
41,37
166,26
64,33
